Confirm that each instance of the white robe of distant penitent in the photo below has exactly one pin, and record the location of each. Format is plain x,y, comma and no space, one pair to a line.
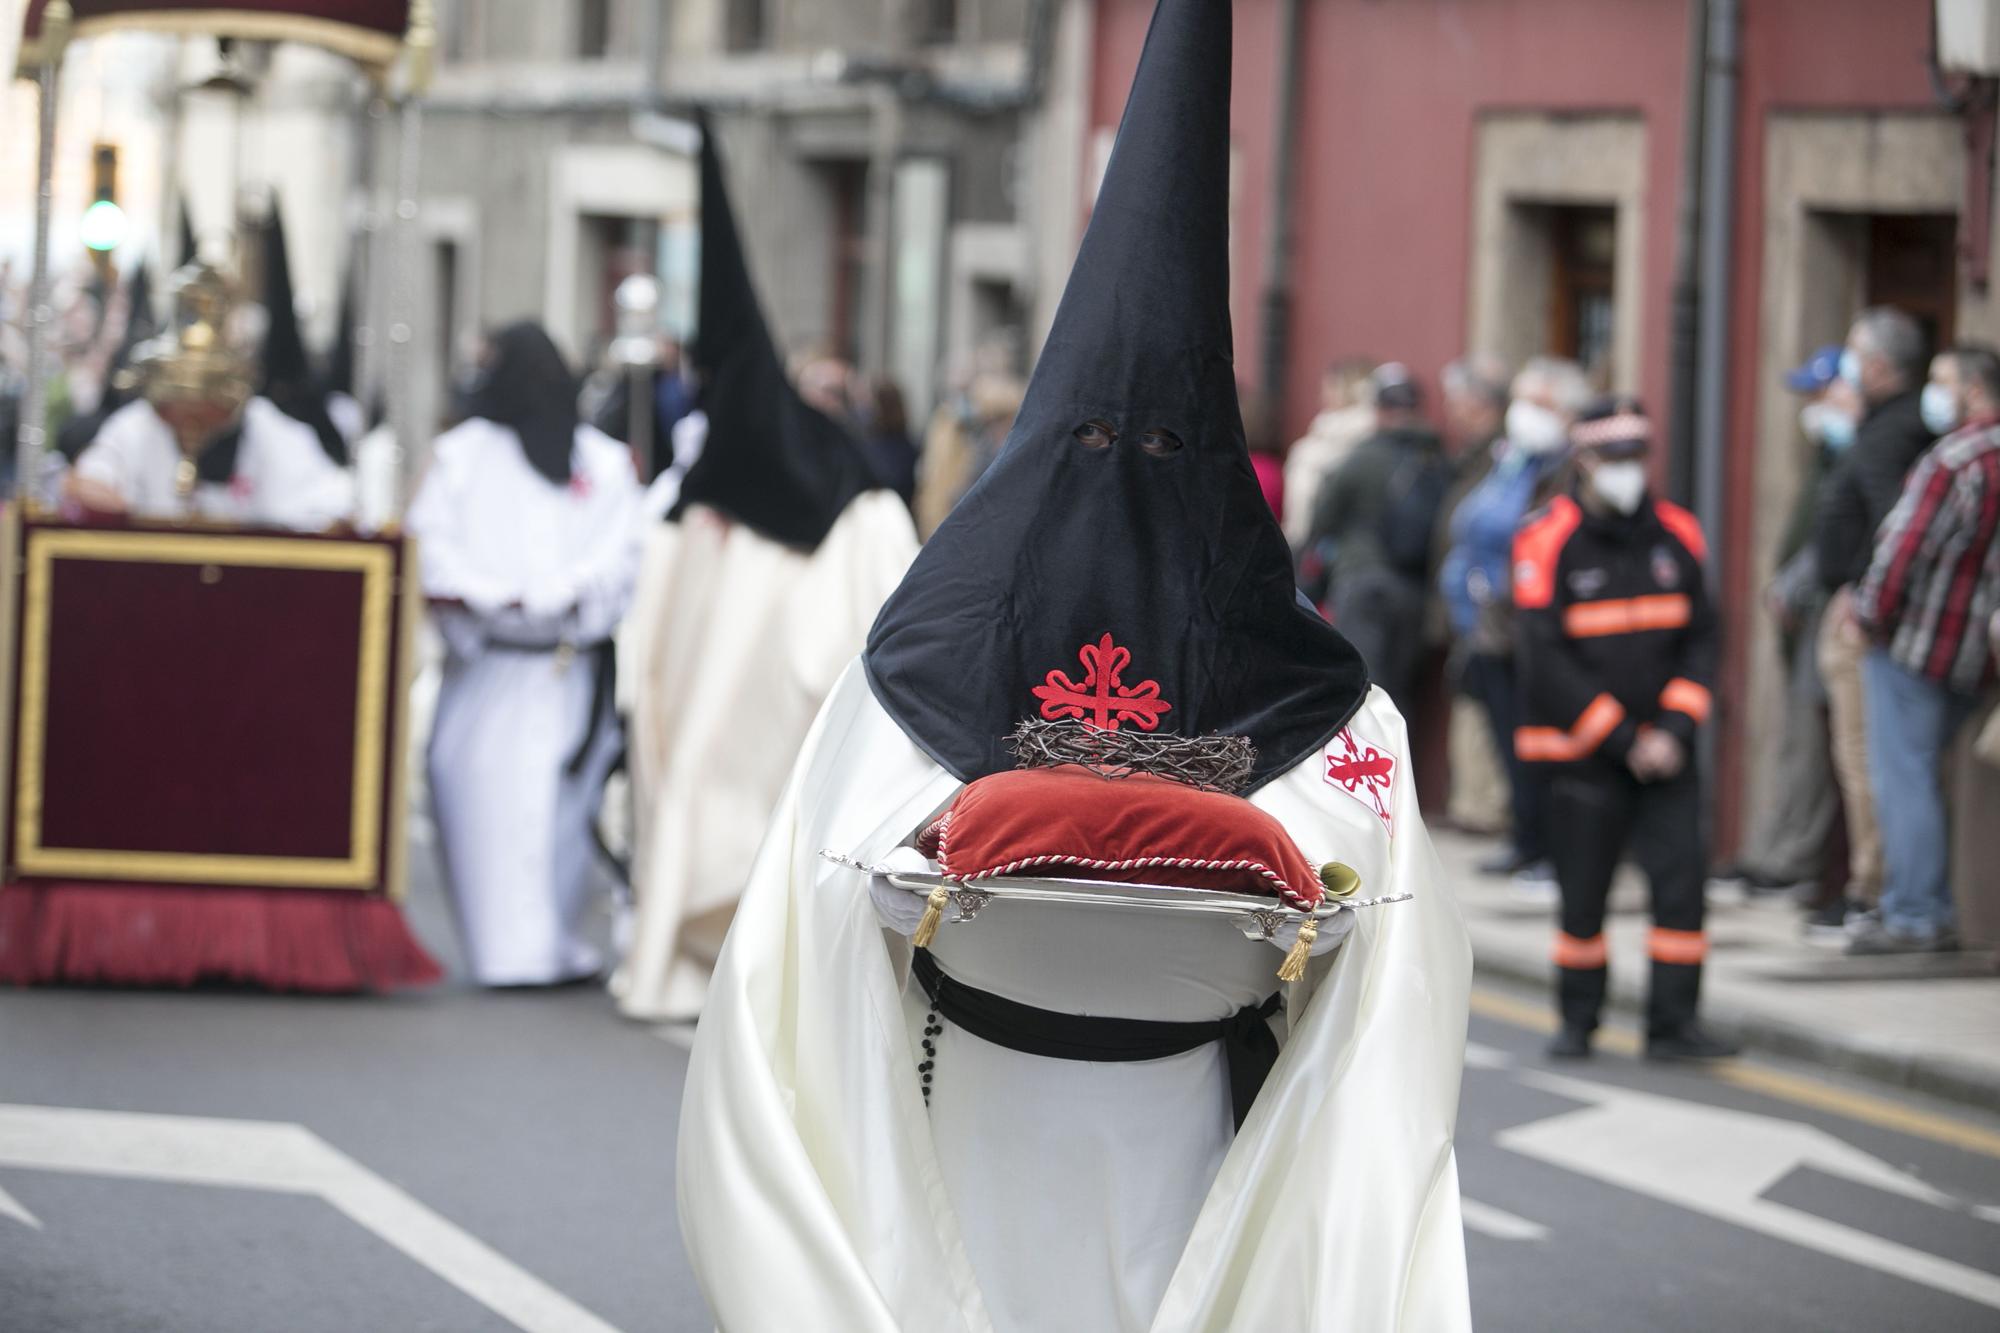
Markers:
818,1191
529,578
733,643
283,477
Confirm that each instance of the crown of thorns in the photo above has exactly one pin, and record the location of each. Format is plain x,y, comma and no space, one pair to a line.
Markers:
1212,763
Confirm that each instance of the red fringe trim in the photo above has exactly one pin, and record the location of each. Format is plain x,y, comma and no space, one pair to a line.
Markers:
158,935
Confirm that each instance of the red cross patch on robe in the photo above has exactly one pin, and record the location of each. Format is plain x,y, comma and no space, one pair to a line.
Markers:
1365,772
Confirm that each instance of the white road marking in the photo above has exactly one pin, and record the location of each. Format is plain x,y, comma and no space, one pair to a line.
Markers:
1720,1163
285,1158
11,1207
1478,1056
1498,1222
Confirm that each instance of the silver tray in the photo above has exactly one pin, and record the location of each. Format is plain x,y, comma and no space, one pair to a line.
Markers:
1258,917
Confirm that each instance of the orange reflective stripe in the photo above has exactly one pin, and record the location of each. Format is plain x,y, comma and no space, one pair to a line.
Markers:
1684,696
1677,946
1553,745
1685,527
1537,548
1627,615
1573,952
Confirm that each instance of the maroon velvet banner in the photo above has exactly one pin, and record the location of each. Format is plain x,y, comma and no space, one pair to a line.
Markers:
386,17
201,707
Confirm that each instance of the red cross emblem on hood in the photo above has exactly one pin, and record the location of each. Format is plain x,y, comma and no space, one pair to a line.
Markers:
1102,699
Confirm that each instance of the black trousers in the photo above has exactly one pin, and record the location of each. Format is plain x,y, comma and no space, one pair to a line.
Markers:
1381,613
1492,681
1597,812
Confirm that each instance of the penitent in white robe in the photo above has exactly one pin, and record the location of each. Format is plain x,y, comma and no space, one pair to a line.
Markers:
283,477
733,643
539,573
818,1191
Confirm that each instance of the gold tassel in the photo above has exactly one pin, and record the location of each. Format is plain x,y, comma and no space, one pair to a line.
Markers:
1294,967
933,914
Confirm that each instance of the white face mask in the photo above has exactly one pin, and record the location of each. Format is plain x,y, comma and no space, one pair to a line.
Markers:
1939,406
1532,428
1621,485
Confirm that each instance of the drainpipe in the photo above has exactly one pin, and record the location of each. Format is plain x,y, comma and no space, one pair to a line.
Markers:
1718,213
1718,209
1277,300
1686,307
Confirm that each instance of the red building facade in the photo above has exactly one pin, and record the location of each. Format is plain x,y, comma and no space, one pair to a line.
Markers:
1506,175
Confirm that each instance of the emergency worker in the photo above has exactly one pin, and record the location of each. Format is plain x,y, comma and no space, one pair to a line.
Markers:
1616,643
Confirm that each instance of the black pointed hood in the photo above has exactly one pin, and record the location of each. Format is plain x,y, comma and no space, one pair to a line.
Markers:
340,360
772,461
288,379
1128,572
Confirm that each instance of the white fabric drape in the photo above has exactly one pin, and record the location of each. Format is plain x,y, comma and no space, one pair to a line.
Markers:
732,644
283,477
817,1191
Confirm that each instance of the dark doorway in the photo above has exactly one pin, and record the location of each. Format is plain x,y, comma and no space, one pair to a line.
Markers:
1913,265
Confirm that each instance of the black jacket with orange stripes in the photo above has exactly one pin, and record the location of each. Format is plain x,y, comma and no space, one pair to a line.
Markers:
1614,629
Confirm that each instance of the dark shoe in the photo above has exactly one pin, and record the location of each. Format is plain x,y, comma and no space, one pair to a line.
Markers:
1829,924
1752,880
1510,863
1572,1043
1872,939
1690,1043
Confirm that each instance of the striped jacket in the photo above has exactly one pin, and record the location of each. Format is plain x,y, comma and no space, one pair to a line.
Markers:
1614,630
1934,582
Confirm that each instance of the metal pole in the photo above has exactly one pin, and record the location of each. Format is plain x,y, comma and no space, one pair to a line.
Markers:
1277,312
1682,374
32,440
1718,208
639,413
1711,443
403,240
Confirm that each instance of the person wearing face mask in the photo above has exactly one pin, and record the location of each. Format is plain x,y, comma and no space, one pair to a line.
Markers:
1791,828
1616,647
1931,589
1883,362
1475,577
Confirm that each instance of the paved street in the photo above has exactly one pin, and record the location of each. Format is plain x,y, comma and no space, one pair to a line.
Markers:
470,1161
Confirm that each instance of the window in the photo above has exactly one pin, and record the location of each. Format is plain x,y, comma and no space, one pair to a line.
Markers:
1583,249
937,21
593,29
744,25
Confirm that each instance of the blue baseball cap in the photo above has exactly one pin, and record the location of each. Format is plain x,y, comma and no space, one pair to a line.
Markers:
1821,369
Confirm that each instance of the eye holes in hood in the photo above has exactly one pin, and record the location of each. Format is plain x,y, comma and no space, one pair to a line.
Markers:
1098,433
1095,434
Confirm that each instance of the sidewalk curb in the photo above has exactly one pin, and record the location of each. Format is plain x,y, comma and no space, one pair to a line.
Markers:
1937,1076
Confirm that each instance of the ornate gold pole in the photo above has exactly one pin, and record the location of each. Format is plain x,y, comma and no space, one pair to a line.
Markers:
32,442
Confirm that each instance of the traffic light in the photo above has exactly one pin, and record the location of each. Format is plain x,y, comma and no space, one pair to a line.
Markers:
103,226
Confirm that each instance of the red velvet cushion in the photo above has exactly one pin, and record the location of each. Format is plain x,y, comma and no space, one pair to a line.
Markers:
1072,823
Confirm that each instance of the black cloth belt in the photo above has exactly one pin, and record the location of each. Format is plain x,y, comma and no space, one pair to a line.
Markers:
602,658
1247,1040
